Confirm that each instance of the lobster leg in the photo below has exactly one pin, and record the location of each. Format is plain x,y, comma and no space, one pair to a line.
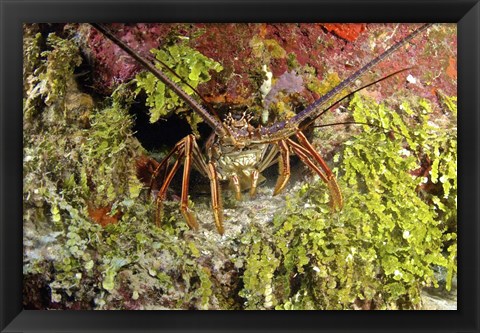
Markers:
184,150
253,182
284,167
216,199
162,193
187,167
236,186
304,156
337,199
161,166
211,171
188,151
268,158
309,156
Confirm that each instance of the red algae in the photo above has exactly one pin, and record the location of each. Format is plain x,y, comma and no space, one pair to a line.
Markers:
324,48
347,31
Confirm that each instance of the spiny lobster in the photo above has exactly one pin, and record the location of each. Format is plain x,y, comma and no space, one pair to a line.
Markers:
239,152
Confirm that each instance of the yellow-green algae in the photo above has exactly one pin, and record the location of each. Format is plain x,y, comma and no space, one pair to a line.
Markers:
190,65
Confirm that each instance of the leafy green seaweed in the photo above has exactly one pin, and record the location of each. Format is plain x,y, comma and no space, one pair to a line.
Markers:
386,242
189,64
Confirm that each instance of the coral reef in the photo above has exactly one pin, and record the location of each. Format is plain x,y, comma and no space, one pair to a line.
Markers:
89,237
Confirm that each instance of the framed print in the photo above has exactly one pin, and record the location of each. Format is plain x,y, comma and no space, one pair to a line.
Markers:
233,156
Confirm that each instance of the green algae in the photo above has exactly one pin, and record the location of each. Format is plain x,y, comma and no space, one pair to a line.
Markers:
189,64
383,247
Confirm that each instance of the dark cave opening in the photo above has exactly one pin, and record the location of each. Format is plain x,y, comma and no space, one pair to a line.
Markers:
164,133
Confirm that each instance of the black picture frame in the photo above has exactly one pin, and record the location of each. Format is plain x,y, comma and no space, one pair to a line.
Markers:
466,13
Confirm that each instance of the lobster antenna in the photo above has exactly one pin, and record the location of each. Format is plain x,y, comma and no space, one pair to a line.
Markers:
361,123
353,92
314,110
214,122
